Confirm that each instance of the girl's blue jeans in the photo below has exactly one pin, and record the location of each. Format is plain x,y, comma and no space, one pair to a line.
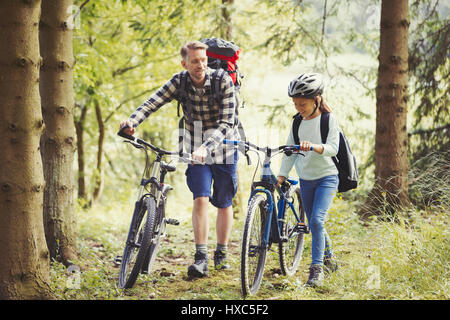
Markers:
317,197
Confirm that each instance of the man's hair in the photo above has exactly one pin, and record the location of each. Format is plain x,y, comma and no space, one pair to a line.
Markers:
192,45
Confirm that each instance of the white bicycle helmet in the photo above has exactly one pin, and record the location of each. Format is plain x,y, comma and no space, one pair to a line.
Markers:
307,85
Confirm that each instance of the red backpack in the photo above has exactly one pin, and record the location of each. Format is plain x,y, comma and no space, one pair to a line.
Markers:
223,54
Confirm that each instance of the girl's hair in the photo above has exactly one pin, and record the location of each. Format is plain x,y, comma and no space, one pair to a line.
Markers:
323,106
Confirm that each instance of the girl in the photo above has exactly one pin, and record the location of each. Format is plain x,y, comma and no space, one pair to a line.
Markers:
317,172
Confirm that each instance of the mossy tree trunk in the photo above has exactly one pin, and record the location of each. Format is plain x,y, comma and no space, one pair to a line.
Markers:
24,258
58,140
390,190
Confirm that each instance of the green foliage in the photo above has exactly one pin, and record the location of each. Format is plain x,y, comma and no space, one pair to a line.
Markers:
428,62
429,69
407,259
125,50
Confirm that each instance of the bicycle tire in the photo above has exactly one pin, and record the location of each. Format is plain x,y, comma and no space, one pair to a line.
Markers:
253,255
137,243
158,232
290,252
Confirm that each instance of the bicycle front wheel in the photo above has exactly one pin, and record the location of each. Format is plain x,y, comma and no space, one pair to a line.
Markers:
253,255
138,242
291,249
159,230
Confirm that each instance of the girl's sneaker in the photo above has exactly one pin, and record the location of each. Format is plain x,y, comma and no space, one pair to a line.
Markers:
330,264
315,276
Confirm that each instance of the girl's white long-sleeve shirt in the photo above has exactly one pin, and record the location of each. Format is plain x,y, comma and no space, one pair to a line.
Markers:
313,166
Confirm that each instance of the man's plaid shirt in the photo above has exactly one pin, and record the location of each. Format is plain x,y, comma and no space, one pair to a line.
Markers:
209,126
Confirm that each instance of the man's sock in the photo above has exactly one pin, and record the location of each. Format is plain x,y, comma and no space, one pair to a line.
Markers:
202,248
222,247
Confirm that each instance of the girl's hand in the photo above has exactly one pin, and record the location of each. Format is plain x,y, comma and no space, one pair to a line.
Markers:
308,146
305,146
280,180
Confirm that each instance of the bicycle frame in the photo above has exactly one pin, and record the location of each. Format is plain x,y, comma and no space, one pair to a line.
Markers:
267,186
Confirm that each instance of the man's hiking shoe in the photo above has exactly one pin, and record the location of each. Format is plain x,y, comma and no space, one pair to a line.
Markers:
220,260
200,267
330,264
315,276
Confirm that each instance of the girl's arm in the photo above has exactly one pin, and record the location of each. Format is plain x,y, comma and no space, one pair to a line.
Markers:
329,149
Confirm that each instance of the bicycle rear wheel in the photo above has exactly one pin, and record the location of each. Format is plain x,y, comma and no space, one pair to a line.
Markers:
138,242
253,255
291,250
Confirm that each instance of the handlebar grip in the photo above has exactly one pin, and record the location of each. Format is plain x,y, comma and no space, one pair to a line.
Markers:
226,141
298,147
124,135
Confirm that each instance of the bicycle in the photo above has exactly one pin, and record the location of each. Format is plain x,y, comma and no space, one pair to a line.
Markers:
148,223
267,223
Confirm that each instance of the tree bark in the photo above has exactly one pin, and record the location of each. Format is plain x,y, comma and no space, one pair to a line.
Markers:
98,181
24,263
58,140
390,191
79,126
226,32
227,29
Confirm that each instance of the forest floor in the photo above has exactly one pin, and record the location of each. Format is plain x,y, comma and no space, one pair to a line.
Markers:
407,259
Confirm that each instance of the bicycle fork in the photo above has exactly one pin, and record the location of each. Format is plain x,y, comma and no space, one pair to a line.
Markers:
269,207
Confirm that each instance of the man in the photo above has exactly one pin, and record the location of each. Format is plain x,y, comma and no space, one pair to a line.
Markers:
207,123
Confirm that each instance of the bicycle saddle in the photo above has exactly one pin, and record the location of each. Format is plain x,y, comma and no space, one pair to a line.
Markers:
167,167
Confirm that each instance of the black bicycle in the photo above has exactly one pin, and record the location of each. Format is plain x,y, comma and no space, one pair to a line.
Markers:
148,224
271,221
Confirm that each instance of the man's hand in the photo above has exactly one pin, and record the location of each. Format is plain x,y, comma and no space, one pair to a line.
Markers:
129,130
200,154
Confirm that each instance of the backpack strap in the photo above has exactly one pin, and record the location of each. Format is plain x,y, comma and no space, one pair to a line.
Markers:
183,101
295,126
183,98
324,129
324,126
216,93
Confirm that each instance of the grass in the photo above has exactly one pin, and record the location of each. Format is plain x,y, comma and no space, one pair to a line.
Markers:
406,259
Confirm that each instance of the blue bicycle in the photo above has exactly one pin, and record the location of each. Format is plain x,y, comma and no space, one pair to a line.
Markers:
271,221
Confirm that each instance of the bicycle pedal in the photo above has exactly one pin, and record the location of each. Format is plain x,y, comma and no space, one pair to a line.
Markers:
173,222
117,260
302,227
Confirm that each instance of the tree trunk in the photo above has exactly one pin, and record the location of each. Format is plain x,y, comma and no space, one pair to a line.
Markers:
226,32
24,263
391,141
98,181
227,28
79,126
58,141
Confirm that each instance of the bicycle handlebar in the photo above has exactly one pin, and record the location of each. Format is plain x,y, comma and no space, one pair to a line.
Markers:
183,156
268,151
